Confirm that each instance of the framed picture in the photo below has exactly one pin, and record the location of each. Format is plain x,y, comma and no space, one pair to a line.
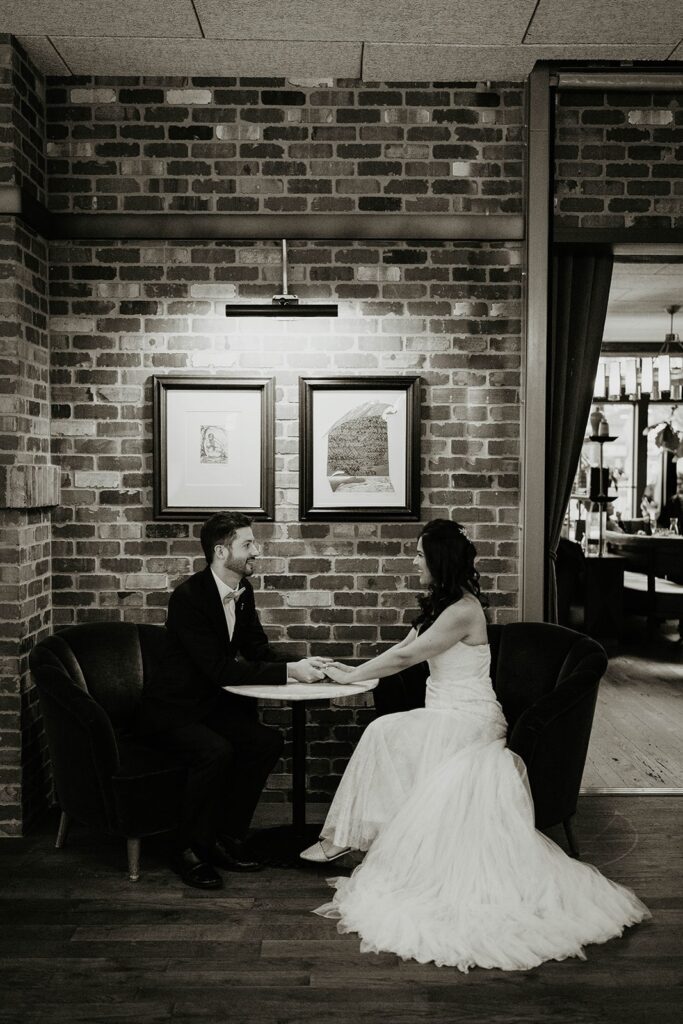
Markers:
360,448
213,446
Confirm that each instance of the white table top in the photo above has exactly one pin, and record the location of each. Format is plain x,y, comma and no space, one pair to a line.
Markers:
304,691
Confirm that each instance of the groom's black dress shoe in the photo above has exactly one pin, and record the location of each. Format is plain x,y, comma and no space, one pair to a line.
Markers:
196,871
232,855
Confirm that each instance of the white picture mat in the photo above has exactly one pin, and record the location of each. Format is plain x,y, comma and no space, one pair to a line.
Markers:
330,406
235,483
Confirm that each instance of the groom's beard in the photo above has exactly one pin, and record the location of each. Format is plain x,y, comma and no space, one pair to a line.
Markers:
242,568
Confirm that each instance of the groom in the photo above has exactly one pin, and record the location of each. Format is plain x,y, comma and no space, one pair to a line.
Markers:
215,639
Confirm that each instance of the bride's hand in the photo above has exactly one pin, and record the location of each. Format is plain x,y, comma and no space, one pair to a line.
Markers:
338,673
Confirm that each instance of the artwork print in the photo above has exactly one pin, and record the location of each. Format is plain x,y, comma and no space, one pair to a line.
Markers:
358,449
359,445
213,446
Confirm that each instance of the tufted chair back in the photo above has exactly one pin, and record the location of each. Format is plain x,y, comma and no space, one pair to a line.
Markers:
107,660
89,679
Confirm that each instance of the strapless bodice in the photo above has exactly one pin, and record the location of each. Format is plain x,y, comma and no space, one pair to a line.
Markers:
461,674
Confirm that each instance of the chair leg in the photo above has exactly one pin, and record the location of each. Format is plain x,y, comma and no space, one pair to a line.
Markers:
133,859
62,830
571,839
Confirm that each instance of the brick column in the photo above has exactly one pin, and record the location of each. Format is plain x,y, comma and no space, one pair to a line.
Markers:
29,484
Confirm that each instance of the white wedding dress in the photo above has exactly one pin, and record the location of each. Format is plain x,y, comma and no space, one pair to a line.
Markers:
456,873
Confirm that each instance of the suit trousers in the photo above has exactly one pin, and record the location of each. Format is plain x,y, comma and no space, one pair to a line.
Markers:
229,755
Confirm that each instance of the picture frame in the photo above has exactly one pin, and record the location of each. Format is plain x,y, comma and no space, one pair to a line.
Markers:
214,441
359,448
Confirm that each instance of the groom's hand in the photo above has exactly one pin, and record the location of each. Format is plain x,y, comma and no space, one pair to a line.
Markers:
305,671
320,663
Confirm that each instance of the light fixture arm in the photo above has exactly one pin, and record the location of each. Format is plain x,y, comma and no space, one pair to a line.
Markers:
285,305
285,298
284,272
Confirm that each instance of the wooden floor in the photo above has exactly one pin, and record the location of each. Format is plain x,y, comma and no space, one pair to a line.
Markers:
80,943
637,737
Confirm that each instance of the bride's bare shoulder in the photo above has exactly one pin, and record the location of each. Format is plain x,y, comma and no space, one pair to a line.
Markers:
466,616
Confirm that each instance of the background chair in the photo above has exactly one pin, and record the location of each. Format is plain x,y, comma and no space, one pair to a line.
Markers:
89,680
546,678
570,573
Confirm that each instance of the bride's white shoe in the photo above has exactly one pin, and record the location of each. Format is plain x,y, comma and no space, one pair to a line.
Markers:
322,852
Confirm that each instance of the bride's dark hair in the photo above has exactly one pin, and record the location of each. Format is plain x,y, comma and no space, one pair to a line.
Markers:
449,556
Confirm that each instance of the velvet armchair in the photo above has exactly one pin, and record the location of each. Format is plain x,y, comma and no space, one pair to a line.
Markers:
89,679
546,678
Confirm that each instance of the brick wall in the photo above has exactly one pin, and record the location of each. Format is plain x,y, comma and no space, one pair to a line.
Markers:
25,616
28,486
28,483
22,120
269,145
122,313
619,159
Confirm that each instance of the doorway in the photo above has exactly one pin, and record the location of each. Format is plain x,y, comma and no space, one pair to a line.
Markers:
635,744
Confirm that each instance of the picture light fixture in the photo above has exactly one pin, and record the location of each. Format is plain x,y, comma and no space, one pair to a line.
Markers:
286,306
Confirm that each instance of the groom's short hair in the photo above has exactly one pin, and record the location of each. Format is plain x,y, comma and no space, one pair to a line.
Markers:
220,528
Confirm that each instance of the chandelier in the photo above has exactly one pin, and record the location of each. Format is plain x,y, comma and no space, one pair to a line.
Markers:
658,377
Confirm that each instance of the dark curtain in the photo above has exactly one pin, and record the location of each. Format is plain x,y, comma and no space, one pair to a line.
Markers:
580,289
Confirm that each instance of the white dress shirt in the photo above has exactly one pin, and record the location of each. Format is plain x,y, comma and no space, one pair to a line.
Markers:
229,599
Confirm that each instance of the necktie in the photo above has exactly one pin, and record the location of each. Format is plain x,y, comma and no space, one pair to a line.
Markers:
229,602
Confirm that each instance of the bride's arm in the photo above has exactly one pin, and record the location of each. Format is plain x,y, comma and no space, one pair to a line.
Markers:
454,623
342,673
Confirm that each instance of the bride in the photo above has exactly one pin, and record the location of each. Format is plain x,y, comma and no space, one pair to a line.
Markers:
455,872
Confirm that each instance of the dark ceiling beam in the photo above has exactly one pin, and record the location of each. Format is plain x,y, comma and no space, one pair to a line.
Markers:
632,348
643,234
474,227
351,226
608,81
632,76
18,202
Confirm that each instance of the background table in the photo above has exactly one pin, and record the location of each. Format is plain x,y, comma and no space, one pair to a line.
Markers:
657,555
659,560
299,695
603,602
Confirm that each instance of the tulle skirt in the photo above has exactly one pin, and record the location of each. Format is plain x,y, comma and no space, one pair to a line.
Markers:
456,872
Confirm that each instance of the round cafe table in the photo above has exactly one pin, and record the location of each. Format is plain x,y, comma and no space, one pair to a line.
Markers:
286,844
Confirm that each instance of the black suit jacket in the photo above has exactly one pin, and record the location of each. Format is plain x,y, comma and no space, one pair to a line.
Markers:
200,658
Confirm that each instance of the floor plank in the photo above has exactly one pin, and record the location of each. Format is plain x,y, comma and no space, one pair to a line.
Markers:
636,737
80,943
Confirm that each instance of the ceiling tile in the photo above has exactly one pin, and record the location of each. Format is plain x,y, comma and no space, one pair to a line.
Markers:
678,52
174,18
393,62
639,295
43,54
222,58
609,21
401,21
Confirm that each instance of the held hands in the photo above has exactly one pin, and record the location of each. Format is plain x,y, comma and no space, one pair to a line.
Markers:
308,670
317,670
